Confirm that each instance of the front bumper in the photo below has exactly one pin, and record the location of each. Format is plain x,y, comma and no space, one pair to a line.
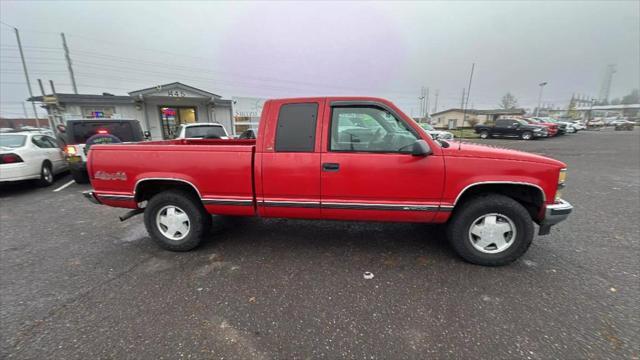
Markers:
554,214
91,196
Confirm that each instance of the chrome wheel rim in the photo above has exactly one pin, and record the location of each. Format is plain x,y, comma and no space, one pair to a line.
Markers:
173,223
47,175
492,233
526,136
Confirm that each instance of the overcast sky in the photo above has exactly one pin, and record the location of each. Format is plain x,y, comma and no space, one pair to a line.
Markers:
326,48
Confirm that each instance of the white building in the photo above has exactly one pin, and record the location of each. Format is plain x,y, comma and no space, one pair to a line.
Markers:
159,109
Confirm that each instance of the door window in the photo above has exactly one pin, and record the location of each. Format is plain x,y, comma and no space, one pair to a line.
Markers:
296,130
369,129
41,142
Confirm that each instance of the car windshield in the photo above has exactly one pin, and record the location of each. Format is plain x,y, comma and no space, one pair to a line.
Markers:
12,141
204,131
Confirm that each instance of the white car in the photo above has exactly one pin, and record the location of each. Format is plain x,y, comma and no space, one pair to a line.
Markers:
202,131
437,134
29,155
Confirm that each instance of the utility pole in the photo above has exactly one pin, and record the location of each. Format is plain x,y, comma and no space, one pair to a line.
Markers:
26,75
24,108
421,104
435,106
462,101
542,84
66,55
426,107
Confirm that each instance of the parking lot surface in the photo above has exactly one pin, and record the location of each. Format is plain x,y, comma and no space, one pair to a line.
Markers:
78,284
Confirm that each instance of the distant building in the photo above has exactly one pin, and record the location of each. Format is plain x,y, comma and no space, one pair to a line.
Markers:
452,118
17,123
160,109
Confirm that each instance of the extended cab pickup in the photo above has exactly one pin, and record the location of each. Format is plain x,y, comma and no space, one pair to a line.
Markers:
512,128
341,158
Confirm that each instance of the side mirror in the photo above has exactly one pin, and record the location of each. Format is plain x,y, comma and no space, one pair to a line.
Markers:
147,134
421,148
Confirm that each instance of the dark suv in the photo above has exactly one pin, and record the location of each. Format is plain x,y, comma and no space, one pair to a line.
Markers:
78,136
512,128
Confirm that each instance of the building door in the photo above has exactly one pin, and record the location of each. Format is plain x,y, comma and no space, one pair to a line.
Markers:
171,117
453,124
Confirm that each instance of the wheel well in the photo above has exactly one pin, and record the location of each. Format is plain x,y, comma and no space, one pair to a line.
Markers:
48,162
147,189
531,197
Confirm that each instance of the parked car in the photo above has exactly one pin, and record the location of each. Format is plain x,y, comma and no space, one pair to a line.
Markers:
301,166
624,125
79,135
30,155
552,128
595,123
437,134
248,134
562,126
202,131
511,128
579,125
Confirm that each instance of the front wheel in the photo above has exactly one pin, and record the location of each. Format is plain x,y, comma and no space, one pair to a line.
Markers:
176,220
491,230
484,134
527,135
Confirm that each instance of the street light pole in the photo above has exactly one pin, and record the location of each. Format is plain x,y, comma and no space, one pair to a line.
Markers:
542,84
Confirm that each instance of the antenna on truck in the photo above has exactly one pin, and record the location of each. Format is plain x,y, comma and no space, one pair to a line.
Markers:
466,103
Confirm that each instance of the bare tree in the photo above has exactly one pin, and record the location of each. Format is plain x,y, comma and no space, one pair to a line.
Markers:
508,101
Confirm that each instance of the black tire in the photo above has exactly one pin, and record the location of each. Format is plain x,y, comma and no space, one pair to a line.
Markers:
46,175
458,229
484,134
80,176
527,135
198,217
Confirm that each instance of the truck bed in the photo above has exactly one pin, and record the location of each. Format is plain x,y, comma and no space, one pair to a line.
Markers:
220,170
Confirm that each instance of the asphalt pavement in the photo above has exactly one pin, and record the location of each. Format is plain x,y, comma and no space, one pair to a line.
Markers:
76,283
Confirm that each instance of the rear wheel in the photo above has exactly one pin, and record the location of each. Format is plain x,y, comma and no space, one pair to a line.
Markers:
484,134
527,135
46,175
491,230
176,220
80,176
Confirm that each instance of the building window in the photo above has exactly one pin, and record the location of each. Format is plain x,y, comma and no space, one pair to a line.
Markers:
98,112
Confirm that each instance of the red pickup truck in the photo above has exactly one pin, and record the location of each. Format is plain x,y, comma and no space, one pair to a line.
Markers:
340,158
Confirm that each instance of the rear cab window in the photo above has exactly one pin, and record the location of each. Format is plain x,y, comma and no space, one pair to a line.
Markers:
296,127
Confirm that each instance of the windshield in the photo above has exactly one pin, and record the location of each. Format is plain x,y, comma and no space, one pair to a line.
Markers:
204,131
13,141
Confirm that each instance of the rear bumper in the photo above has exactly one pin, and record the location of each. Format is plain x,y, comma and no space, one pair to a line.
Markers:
91,196
19,171
554,214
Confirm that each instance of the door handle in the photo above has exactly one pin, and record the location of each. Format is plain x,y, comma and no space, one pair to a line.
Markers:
330,167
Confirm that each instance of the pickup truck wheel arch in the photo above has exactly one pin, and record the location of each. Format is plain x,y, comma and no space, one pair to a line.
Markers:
531,196
147,188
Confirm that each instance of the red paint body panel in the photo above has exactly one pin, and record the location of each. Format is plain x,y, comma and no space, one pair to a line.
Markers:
247,177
